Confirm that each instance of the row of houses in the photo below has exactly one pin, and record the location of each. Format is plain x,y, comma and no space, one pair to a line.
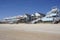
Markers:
26,18
33,18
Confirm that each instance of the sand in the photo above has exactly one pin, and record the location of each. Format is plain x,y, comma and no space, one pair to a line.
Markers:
29,31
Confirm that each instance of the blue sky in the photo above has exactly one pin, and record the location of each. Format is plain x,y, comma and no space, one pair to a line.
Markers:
19,7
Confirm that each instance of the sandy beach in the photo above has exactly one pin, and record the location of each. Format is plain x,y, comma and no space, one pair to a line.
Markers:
30,31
